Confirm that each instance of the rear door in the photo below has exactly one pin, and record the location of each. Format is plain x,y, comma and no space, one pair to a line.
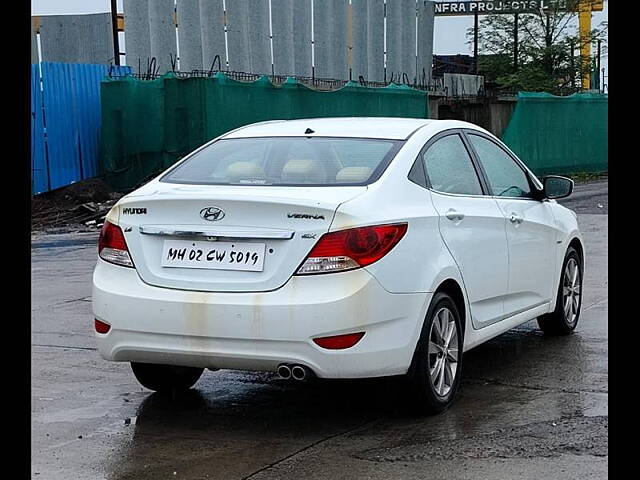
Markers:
471,224
529,223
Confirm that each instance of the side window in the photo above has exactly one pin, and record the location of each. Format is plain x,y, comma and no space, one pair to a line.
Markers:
504,175
449,168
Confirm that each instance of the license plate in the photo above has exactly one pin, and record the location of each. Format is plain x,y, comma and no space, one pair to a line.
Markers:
213,255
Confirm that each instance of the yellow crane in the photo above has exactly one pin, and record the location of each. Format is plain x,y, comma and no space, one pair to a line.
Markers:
585,8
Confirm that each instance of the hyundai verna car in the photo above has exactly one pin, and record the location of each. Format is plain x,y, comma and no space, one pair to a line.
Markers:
335,248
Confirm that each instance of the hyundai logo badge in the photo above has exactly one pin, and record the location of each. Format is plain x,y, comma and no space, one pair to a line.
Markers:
213,214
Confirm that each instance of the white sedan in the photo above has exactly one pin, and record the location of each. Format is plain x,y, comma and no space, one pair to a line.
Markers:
335,248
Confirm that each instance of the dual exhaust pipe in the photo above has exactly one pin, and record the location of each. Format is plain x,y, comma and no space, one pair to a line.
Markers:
297,372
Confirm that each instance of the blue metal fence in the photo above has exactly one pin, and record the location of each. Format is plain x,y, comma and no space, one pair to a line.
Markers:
65,122
39,168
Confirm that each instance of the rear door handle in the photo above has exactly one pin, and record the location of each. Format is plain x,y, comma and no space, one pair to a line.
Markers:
454,214
515,218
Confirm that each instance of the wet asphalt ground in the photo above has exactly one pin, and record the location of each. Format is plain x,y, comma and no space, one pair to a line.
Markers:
530,406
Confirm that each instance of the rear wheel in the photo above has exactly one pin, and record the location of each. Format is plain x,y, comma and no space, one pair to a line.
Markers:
564,318
165,378
436,368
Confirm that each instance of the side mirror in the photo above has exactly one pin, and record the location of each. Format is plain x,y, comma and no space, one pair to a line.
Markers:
557,187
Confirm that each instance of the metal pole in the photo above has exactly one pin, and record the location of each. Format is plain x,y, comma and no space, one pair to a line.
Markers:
114,26
573,68
475,41
598,70
515,42
548,42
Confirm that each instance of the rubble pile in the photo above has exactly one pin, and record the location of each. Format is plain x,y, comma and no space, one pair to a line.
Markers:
80,205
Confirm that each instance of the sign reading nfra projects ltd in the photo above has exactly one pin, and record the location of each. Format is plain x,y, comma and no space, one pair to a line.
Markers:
489,7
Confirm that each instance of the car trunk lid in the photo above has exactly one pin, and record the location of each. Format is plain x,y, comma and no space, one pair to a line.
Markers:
268,231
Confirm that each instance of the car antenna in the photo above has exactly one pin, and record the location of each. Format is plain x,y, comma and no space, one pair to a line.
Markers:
308,130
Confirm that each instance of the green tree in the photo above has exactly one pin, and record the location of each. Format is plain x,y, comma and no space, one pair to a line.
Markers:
546,42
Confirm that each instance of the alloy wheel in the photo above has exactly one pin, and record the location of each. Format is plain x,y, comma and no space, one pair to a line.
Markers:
571,290
443,351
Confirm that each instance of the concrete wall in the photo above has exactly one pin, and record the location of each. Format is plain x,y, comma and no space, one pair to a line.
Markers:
189,35
162,33
212,33
460,85
434,103
330,38
500,113
150,32
34,45
346,37
401,39
368,39
77,38
138,46
248,36
491,114
291,24
425,40
258,36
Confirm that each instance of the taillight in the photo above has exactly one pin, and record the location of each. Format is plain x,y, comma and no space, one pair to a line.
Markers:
112,247
352,248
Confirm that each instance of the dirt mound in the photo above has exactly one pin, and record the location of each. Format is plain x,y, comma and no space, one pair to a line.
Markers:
73,205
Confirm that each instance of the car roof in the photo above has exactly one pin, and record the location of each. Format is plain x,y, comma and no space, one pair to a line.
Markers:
394,128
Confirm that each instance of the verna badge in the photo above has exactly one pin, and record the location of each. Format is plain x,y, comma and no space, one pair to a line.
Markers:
213,214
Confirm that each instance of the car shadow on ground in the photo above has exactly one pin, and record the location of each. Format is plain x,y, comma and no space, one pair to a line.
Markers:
245,409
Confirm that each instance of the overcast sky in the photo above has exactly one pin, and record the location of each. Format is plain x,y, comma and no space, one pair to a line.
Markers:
449,34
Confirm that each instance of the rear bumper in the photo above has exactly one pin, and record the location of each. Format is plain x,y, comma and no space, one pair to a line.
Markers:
258,331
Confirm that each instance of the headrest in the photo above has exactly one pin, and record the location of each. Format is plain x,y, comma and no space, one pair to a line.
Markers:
353,174
303,170
237,171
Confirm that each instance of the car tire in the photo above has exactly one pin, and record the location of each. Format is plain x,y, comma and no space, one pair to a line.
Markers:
564,319
432,393
165,378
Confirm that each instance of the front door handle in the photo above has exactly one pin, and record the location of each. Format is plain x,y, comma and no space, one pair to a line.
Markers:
454,214
515,218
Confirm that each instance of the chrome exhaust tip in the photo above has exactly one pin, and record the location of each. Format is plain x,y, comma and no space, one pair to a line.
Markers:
298,372
284,371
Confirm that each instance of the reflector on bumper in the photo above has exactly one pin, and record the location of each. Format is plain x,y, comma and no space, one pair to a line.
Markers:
339,342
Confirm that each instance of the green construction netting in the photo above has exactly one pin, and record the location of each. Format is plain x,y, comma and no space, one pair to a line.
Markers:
560,134
149,125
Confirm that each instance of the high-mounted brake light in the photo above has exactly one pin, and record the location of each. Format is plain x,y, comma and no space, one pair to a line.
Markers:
352,248
112,246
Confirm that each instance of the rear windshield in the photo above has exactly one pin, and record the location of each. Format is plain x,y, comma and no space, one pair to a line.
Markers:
287,161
